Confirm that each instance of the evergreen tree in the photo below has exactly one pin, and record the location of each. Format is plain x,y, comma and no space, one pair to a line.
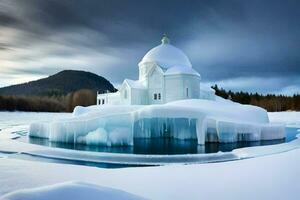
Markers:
270,102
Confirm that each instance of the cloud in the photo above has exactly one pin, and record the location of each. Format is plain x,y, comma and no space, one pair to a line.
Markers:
225,40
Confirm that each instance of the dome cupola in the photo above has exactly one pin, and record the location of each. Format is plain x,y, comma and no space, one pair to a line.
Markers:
166,55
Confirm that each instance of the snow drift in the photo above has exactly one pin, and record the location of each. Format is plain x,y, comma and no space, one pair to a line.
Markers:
205,120
70,190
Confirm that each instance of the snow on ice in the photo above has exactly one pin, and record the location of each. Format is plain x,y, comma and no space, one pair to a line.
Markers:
205,120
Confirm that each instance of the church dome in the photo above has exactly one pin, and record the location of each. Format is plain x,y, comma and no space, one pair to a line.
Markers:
166,56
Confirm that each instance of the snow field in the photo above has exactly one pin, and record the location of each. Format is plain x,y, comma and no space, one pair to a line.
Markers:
70,190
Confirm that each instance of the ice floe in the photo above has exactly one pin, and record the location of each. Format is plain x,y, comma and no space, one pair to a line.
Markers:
205,120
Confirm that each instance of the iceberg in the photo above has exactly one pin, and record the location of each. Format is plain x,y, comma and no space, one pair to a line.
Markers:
199,119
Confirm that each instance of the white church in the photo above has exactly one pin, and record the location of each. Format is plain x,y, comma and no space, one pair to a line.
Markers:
165,74
166,102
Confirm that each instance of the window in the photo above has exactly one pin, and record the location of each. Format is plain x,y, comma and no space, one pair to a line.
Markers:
125,94
99,101
103,101
187,92
157,96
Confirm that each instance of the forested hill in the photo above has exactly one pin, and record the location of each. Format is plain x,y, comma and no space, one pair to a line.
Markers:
61,83
270,102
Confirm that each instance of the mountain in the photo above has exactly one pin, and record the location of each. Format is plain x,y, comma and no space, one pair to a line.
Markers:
60,84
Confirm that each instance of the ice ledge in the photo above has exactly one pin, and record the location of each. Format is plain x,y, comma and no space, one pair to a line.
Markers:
204,120
251,152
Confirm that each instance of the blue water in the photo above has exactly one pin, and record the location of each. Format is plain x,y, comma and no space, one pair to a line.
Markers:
166,145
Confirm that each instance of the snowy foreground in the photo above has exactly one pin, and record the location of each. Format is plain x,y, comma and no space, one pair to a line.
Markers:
218,120
274,176
270,177
70,190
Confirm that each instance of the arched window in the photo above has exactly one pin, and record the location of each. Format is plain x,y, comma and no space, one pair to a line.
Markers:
159,96
155,96
125,94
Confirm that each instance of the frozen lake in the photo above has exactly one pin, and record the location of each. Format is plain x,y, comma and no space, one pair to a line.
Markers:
275,166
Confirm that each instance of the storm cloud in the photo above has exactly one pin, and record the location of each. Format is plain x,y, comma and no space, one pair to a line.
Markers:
240,45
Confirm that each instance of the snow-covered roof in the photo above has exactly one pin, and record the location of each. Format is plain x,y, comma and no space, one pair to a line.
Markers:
135,84
181,70
166,56
205,87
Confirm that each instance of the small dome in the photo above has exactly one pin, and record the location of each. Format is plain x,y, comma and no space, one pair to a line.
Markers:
166,55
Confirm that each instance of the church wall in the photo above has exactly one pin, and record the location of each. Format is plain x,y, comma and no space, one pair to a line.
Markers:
125,95
142,72
173,88
156,87
108,98
181,86
113,99
139,97
192,83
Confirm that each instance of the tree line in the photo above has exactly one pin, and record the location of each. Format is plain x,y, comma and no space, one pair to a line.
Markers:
270,102
53,103
86,97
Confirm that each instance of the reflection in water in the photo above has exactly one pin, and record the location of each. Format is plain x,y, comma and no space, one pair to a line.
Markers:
167,145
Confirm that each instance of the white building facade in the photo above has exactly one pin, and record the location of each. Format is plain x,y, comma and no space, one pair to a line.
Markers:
165,74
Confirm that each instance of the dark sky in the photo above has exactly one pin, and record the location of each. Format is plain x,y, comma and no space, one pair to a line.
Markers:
240,45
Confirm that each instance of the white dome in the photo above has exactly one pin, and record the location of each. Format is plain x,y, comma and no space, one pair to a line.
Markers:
166,56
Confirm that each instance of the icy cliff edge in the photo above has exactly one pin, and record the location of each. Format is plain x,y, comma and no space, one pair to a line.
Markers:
205,120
